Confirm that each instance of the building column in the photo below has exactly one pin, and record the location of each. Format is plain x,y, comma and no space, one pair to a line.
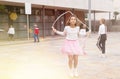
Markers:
109,21
94,26
56,15
89,15
43,21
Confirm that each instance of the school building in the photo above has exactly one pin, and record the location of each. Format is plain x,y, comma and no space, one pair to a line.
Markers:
44,13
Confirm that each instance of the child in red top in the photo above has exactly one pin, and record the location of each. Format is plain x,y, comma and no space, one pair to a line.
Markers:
36,33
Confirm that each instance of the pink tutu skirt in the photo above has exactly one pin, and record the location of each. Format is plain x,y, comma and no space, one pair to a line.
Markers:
71,47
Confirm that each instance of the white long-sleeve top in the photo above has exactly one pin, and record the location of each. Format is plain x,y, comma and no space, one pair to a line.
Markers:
11,30
102,29
70,33
82,32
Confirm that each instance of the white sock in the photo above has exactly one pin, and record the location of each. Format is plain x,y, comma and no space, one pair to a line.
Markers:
75,71
71,72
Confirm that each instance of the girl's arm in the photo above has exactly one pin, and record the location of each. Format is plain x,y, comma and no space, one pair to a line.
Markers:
99,32
59,32
88,34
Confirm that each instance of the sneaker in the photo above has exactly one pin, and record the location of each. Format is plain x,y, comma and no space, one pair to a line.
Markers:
76,73
71,73
103,55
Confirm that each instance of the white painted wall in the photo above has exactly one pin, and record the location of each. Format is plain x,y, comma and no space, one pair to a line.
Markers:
105,5
101,5
98,16
116,7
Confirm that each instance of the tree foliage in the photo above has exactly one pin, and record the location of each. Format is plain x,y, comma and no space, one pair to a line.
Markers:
116,14
2,7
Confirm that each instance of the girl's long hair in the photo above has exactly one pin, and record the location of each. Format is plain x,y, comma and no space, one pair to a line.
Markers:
102,20
68,21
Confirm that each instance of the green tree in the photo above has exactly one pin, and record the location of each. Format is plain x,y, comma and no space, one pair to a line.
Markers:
2,8
116,14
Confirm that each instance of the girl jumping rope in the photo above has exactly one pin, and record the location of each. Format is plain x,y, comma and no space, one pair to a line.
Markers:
71,45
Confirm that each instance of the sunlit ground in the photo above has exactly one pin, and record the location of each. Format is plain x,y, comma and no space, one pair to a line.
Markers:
44,61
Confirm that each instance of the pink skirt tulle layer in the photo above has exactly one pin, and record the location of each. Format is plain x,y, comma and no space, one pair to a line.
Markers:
72,47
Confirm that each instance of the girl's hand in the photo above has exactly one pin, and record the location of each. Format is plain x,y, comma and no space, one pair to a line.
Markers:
54,30
88,34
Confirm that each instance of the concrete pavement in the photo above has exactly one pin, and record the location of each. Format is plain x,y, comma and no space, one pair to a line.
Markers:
44,60
25,40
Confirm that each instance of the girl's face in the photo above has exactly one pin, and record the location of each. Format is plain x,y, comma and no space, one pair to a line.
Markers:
100,21
72,20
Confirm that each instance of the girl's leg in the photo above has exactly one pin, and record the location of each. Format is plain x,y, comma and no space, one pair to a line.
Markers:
103,47
99,44
34,38
37,38
9,37
12,37
83,45
70,63
75,57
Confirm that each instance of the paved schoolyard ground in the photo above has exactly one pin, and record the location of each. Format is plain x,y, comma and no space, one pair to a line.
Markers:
43,60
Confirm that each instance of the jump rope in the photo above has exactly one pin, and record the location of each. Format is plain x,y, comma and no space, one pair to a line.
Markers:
71,14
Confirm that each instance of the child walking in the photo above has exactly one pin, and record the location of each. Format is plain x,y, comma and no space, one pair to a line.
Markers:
11,32
84,33
36,33
71,45
102,36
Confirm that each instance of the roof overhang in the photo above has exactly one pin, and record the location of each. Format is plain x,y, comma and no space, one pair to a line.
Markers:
49,7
